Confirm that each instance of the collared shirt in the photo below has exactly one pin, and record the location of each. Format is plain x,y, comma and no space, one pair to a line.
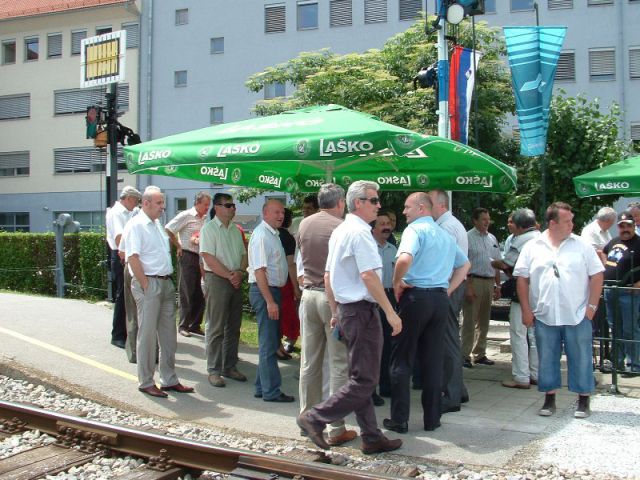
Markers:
435,254
594,235
388,253
116,218
147,239
558,296
224,243
483,248
516,244
352,251
185,224
454,227
265,251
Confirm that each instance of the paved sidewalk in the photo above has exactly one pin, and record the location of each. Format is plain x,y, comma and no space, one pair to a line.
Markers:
69,340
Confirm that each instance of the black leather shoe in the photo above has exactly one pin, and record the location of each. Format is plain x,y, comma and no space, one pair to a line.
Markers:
484,361
282,398
431,428
400,427
118,343
465,399
378,401
450,409
466,363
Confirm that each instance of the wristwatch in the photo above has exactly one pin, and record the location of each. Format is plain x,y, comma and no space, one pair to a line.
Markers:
593,307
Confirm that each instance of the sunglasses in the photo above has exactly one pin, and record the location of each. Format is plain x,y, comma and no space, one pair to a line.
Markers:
555,271
227,205
373,200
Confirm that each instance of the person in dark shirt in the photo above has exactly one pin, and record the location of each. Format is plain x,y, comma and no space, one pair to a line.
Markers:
622,269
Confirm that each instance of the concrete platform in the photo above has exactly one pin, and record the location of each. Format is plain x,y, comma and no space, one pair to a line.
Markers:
69,340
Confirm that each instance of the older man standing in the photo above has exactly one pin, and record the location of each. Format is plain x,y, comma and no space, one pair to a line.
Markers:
183,231
353,286
559,285
483,285
225,260
148,254
116,219
268,271
429,267
597,232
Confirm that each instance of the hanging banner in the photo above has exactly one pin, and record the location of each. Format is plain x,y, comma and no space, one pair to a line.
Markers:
533,54
461,90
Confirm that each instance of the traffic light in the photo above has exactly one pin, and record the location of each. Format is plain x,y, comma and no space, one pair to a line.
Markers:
456,10
92,119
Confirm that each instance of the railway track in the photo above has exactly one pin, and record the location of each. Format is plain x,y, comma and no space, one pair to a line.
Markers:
79,441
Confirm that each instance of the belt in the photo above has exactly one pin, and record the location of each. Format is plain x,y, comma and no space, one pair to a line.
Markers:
313,288
191,252
430,289
389,290
160,277
482,277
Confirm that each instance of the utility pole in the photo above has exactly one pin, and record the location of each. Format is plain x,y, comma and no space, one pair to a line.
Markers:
443,74
112,131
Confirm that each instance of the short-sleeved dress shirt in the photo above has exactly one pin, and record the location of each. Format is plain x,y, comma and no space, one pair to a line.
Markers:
147,239
265,251
224,243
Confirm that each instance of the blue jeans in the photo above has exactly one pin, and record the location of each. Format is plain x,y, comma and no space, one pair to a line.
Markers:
268,379
624,306
577,341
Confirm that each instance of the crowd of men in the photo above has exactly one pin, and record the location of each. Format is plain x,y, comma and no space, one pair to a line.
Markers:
375,315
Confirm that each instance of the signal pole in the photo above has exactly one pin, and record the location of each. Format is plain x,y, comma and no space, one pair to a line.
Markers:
112,135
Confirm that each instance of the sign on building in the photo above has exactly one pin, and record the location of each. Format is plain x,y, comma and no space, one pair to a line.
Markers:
102,59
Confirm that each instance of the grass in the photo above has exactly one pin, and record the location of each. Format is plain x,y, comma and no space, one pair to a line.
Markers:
249,330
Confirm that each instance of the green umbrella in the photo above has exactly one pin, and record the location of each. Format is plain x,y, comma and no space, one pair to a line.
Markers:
620,178
301,149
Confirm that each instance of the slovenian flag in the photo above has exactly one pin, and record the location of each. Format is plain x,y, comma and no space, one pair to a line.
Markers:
462,77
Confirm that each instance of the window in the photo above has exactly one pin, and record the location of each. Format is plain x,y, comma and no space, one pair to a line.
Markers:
566,70
518,5
76,39
8,52
217,45
375,11
180,78
273,90
490,6
600,2
182,16
635,133
76,100
54,45
89,221
103,30
31,48
14,164
14,222
15,106
410,9
634,63
602,64
556,4
216,115
133,34
274,19
340,13
79,160
307,15
181,204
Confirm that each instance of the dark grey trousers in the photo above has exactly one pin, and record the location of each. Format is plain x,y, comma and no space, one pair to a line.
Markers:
191,297
453,386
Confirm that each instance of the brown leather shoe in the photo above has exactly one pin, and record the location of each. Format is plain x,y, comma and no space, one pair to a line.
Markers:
235,374
178,387
153,391
216,380
314,434
344,437
382,445
514,384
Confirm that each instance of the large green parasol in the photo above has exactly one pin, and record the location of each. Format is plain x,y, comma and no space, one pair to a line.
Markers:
301,149
620,178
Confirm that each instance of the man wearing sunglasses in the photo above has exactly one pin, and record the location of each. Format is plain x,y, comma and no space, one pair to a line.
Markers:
225,259
559,285
354,289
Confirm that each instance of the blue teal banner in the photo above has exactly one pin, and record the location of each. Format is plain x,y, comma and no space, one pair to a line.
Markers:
533,54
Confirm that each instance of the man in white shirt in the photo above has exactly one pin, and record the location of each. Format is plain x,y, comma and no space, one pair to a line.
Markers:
149,257
116,219
597,232
559,285
354,290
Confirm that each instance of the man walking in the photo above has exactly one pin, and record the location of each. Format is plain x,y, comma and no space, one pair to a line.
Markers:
148,254
317,339
268,271
559,285
116,219
225,260
620,270
353,287
454,391
183,230
429,267
482,287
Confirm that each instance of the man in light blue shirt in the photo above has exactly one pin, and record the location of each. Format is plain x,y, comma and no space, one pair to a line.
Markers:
429,267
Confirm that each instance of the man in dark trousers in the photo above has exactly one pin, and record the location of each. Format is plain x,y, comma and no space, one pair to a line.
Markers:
429,267
354,290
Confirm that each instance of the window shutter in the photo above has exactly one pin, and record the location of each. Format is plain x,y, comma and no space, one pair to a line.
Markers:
599,2
557,4
635,132
15,106
340,12
409,9
78,99
375,11
566,66
14,163
54,45
602,64
76,39
133,34
634,63
274,19
79,160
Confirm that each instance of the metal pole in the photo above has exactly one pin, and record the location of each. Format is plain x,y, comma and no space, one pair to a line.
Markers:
443,76
112,169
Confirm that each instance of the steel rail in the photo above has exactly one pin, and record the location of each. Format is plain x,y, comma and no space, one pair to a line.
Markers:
174,451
